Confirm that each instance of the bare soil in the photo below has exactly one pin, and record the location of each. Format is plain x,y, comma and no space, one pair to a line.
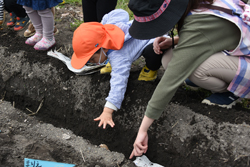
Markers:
187,134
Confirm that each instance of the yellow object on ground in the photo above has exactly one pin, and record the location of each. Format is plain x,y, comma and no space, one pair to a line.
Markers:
107,69
63,2
147,74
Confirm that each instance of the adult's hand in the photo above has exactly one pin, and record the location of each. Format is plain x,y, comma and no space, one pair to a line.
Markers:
140,144
157,44
163,43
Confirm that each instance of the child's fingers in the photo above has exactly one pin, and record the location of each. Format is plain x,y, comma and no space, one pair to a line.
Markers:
97,119
104,125
100,124
111,123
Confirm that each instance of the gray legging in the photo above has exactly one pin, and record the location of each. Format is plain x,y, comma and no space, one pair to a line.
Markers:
43,21
214,74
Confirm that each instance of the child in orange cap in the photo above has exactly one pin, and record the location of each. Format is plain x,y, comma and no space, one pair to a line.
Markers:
95,42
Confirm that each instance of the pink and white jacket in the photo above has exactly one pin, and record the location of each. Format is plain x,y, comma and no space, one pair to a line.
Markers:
240,85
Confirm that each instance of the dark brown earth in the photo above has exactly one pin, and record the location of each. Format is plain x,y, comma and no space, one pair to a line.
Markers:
166,145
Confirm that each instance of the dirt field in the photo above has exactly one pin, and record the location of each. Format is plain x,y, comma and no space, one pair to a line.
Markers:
187,134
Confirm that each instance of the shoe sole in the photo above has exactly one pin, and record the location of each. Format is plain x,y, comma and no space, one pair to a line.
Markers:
229,106
29,35
105,73
23,27
147,80
55,33
30,44
10,26
46,49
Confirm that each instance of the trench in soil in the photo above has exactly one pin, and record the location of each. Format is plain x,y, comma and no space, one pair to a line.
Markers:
120,138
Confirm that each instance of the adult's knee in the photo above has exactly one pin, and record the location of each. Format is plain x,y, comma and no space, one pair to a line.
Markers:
166,58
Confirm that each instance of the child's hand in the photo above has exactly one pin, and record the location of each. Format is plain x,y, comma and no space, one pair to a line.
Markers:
105,118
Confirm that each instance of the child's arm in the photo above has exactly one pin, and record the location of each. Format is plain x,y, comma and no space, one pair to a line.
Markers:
105,118
121,61
118,83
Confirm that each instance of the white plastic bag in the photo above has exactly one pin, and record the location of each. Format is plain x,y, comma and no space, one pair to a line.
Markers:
143,161
67,61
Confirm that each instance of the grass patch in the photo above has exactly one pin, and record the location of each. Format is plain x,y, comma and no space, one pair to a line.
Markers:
123,4
75,24
74,2
245,103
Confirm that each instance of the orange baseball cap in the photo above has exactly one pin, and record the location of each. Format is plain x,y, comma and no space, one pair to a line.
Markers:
90,37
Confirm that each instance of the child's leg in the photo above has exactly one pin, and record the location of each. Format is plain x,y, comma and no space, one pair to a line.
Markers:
8,5
47,19
1,9
2,16
37,22
53,11
31,30
12,6
89,10
35,19
153,60
153,63
48,39
56,31
103,7
216,73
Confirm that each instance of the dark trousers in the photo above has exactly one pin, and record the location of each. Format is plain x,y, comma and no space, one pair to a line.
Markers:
153,60
94,10
11,6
